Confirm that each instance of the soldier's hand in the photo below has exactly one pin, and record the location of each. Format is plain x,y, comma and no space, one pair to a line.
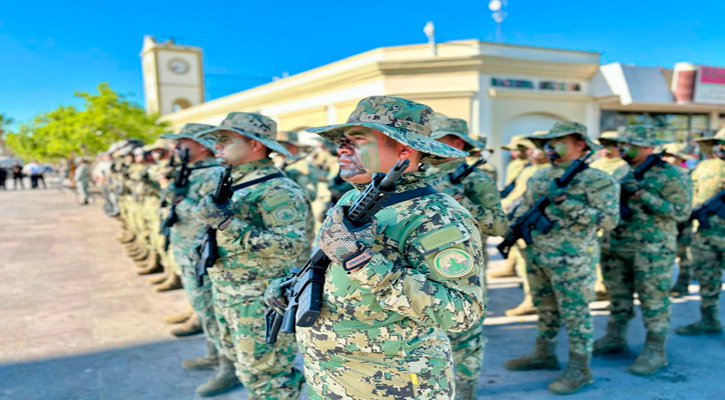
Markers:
632,187
340,240
556,193
275,297
212,213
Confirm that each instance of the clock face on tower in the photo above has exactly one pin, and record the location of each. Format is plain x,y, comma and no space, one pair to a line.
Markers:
178,66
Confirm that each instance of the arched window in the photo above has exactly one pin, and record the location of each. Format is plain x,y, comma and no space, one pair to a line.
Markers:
180,104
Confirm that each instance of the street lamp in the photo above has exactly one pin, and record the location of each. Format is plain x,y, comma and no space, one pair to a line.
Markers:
429,29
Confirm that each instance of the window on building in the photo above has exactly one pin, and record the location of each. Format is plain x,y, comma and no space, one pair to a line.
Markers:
180,104
677,127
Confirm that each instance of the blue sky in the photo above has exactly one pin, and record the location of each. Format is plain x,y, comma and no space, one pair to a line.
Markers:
50,49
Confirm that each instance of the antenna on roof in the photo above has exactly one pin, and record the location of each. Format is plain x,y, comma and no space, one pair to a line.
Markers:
498,15
429,29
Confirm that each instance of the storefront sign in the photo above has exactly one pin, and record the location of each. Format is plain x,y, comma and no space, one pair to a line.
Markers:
534,85
710,85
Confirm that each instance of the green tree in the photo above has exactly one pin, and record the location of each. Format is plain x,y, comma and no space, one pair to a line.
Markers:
105,118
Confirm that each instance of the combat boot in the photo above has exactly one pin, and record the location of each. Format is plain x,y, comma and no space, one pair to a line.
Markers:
172,282
508,270
709,324
208,361
614,341
652,357
681,287
223,381
192,326
142,255
159,279
126,237
465,390
543,357
525,308
132,247
575,376
152,265
178,318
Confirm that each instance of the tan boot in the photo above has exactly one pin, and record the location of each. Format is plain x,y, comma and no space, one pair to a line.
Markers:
133,248
208,361
192,326
178,318
543,357
575,376
173,282
708,324
652,358
508,270
126,237
614,341
152,265
159,279
141,256
223,381
465,390
525,308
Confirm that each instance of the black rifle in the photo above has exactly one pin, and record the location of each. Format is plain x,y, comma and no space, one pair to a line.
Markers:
624,211
304,289
535,218
181,180
209,251
713,206
510,187
463,170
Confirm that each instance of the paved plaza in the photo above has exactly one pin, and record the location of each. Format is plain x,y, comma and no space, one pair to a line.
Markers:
76,322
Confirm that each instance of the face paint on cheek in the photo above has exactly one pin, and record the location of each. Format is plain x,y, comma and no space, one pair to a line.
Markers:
560,149
628,152
369,154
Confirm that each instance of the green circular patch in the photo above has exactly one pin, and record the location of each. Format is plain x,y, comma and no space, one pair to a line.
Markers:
453,263
285,214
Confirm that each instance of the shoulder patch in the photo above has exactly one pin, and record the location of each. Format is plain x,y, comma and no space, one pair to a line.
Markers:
274,201
285,213
453,263
600,184
446,236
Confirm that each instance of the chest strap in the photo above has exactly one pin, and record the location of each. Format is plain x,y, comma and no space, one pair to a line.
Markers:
256,181
408,195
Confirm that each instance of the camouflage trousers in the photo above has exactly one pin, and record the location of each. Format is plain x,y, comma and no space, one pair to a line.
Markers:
708,262
468,348
647,274
200,298
562,286
265,370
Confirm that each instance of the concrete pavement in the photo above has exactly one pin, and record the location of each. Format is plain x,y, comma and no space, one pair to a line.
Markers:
77,323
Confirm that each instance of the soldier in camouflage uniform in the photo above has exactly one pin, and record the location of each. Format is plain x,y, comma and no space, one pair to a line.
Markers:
382,330
478,194
137,193
612,163
184,238
298,167
708,246
674,153
642,250
562,262
537,160
261,232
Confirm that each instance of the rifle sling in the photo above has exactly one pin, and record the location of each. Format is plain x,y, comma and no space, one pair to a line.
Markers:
256,181
408,195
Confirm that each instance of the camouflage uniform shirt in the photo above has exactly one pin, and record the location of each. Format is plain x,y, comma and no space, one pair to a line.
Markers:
382,330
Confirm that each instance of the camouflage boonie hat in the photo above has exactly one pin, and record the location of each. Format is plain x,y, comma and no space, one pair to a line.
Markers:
677,150
291,137
513,144
565,128
402,120
160,143
443,126
718,137
194,132
607,137
640,135
707,143
254,126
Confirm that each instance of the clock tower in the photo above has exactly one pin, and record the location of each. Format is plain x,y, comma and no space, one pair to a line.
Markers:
172,76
